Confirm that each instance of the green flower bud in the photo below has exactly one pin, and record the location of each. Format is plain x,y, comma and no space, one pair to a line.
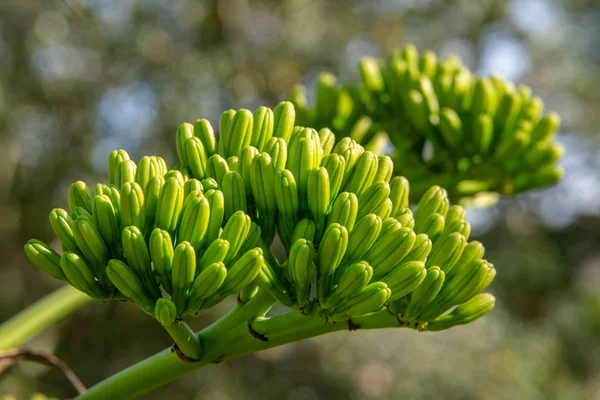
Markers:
277,149
406,218
161,253
304,156
115,158
62,224
318,196
305,229
546,128
132,206
353,279
177,174
405,278
80,196
350,150
194,221
458,226
130,285
206,284
45,258
327,139
484,97
233,163
243,272
482,132
235,232
217,168
192,185
446,251
224,132
147,169
272,280
151,199
424,293
451,128
138,258
263,127
239,133
284,118
81,276
326,102
335,165
286,194
203,130
466,313
370,73
183,272
125,172
263,190
216,202
169,205
91,244
385,169
185,131
215,253
165,312
106,220
245,165
392,245
420,250
234,194
331,251
371,298
399,190
432,226
372,198
195,157
344,210
428,64
435,200
362,237
210,184
81,212
362,173
302,269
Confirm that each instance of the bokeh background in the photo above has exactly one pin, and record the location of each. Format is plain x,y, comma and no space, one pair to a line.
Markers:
79,78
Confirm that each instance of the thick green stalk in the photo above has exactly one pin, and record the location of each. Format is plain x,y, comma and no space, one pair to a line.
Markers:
224,340
41,315
186,341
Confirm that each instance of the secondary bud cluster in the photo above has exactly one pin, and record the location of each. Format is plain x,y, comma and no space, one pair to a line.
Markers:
487,135
177,240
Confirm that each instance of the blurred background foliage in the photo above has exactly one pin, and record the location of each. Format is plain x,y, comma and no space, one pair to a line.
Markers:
79,78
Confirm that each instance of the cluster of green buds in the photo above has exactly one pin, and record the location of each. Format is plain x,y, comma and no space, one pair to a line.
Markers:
180,239
476,136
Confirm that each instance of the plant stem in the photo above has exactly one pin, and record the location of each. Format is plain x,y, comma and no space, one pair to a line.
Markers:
185,339
224,340
41,315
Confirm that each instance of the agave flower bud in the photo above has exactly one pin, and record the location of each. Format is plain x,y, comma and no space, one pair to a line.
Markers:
196,158
161,254
233,163
371,298
235,232
215,253
115,158
286,193
147,169
305,229
216,168
203,130
420,250
271,279
192,185
216,202
424,293
207,283
362,237
405,278
331,251
318,196
138,258
399,190
194,221
263,190
80,196
371,199
185,131
303,157
432,226
130,285
353,279
451,128
277,149
284,118
263,127
183,272
457,226
125,172
446,251
471,280
435,200
344,210
243,271
238,135
362,174
482,133
327,139
81,212
484,97
165,311
390,247
406,218
151,198
466,313
473,252
385,169
132,206
45,258
169,205
546,128
177,174
62,224
224,127
302,269
335,165
371,75
106,220
81,276
91,244
234,194
210,184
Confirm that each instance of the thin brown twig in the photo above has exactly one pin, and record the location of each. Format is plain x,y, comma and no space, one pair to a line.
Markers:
11,357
